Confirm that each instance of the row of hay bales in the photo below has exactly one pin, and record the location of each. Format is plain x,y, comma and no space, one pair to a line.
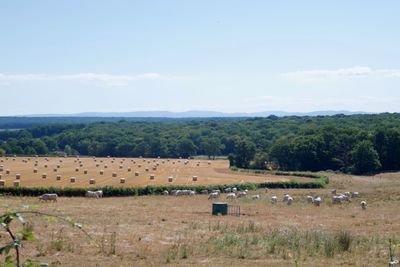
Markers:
92,181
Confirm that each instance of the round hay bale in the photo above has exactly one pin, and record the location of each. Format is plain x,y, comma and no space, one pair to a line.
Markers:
209,162
2,182
105,166
173,162
60,161
81,165
1,168
129,169
136,173
170,179
139,165
101,172
85,171
45,165
147,169
121,166
77,169
55,169
122,180
7,171
36,165
114,174
72,179
58,166
154,168
44,175
34,170
92,181
194,178
58,177
16,183
152,176
97,165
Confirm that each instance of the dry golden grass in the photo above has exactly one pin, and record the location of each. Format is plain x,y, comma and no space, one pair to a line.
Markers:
180,231
84,169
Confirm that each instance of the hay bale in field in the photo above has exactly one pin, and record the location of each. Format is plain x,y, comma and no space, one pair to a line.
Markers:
105,166
154,168
147,169
101,172
45,165
137,173
58,166
35,164
7,171
139,165
85,171
55,169
173,162
16,183
122,180
114,174
18,176
1,168
34,170
97,165
76,169
194,178
92,181
44,175
209,162
80,165
72,179
170,179
152,176
58,177
2,182
121,166
60,161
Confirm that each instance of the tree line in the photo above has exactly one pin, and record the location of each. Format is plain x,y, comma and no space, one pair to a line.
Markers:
357,143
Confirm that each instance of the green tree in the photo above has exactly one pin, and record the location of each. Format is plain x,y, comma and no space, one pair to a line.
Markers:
211,146
365,158
186,148
244,153
2,152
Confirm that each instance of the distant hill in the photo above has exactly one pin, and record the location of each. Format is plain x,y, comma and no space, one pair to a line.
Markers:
198,114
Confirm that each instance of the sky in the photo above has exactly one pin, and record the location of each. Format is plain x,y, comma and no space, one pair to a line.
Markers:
67,56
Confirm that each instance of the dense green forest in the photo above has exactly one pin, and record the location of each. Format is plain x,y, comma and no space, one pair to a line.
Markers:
357,143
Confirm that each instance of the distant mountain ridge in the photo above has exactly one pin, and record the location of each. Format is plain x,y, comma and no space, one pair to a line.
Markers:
198,114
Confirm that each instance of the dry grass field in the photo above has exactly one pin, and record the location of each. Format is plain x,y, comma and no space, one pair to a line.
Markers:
137,172
180,231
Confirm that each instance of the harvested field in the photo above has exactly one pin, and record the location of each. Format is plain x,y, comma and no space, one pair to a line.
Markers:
180,231
39,172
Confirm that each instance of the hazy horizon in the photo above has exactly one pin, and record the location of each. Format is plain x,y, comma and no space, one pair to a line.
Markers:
68,57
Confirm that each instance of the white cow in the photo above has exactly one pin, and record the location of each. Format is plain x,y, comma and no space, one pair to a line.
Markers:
48,197
91,194
363,205
242,194
310,199
165,193
231,196
99,193
289,201
355,194
285,198
213,195
317,201
255,197
274,199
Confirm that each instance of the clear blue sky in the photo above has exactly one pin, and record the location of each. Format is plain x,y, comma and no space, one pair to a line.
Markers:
77,56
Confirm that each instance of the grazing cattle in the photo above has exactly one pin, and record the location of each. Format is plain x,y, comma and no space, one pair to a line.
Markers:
266,190
333,191
231,196
363,205
92,194
317,201
234,190
48,197
99,193
337,199
310,199
165,193
285,198
274,199
213,195
242,194
289,201
228,190
355,194
255,197
205,191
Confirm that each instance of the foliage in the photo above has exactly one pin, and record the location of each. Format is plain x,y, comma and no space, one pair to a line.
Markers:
365,158
291,143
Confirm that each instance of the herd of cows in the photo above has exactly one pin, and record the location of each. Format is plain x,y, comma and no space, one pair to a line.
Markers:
234,193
